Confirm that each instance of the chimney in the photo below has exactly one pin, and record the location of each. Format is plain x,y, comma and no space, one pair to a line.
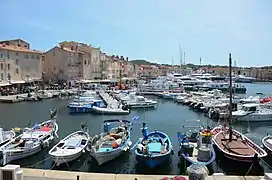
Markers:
126,58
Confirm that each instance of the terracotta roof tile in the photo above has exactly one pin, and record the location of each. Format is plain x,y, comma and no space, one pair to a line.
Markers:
18,49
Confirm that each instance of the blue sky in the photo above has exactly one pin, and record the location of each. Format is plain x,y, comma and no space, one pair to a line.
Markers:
148,29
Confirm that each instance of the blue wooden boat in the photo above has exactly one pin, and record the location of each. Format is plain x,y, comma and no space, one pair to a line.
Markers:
195,143
112,142
154,148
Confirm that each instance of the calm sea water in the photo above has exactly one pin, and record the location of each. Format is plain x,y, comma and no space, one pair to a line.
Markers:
168,117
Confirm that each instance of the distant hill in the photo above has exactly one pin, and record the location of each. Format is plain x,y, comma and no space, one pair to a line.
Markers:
142,62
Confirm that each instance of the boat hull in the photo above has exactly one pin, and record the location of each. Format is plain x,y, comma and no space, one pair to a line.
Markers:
65,159
109,111
11,156
142,105
254,118
240,158
103,157
80,109
154,161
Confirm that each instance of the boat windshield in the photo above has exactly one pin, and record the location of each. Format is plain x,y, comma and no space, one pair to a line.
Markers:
249,108
192,127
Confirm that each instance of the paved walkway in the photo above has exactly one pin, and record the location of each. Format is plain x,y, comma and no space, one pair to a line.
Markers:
39,174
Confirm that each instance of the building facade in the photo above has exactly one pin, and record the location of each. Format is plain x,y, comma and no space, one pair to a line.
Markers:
64,64
18,63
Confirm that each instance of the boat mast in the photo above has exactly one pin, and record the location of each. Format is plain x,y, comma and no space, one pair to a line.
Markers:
180,58
230,92
172,64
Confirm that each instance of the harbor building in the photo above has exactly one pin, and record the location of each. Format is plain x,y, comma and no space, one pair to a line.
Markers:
92,52
18,63
63,64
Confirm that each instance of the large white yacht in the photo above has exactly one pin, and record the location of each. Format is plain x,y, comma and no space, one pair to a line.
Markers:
253,112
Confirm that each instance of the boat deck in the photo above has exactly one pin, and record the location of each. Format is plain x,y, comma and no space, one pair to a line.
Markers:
236,146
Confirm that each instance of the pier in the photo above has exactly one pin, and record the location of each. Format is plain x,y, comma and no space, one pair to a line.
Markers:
108,100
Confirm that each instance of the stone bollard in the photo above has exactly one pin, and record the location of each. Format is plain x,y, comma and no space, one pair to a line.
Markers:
197,172
19,175
77,177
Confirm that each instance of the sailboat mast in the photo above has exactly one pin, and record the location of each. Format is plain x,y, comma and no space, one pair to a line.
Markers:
180,57
172,63
230,90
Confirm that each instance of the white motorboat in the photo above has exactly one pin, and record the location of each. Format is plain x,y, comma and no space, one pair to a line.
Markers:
44,95
111,111
30,142
70,148
253,112
141,102
6,136
267,143
114,141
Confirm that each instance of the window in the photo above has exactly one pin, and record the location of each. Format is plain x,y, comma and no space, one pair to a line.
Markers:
54,53
2,66
38,57
2,76
17,71
9,76
17,62
17,54
8,66
32,56
8,55
1,55
26,56
85,62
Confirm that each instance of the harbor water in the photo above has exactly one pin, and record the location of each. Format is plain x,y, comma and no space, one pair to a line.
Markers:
167,117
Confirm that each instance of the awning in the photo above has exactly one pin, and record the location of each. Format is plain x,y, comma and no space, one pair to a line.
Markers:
17,82
4,84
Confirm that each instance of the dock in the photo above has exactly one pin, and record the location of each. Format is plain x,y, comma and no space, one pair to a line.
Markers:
39,174
108,100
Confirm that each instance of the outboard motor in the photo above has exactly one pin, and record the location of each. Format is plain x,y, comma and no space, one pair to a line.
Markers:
144,130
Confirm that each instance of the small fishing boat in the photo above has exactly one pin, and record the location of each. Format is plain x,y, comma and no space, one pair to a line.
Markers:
30,142
114,141
71,147
236,146
111,111
6,136
196,145
154,148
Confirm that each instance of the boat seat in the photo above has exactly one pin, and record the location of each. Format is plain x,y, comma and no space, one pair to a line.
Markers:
226,137
154,147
